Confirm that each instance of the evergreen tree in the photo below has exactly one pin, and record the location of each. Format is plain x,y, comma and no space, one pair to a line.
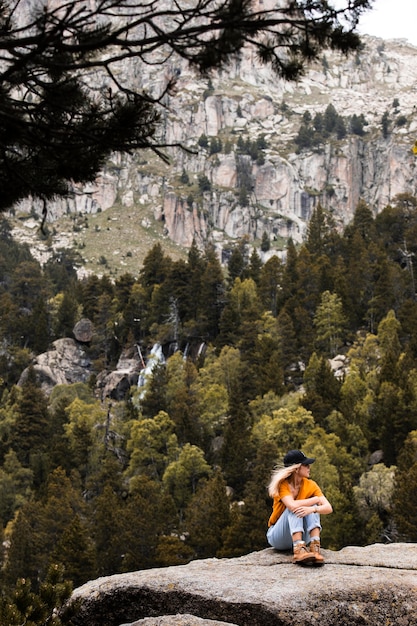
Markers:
319,231
10,325
178,286
318,123
203,141
212,408
407,316
90,291
340,128
26,606
291,272
404,507
357,124
287,428
236,449
359,287
104,347
16,482
207,516
212,295
41,525
330,118
254,267
66,315
152,445
287,345
363,221
155,269
263,357
353,438
265,243
239,314
27,284
149,520
183,475
394,417
89,433
75,551
315,277
388,290
305,137
20,552
39,329
153,397
322,389
271,281
31,428
123,289
238,262
373,496
385,124
29,293
107,531
330,322
181,402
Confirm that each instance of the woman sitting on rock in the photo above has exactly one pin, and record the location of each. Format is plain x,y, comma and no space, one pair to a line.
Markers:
298,503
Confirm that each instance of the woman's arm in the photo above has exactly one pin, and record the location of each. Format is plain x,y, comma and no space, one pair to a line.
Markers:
301,508
292,504
324,507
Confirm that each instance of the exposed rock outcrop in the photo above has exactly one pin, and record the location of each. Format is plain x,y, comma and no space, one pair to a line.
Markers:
116,384
64,364
67,363
357,586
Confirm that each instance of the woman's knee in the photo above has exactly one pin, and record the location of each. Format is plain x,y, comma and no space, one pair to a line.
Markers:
278,539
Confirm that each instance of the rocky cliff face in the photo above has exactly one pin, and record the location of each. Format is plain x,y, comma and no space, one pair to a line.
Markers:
373,585
246,102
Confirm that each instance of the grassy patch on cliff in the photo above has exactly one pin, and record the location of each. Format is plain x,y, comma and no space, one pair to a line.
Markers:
117,240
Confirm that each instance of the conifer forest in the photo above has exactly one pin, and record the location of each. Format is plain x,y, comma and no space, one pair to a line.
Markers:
178,469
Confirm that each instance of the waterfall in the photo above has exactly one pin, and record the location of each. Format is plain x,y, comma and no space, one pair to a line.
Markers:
155,357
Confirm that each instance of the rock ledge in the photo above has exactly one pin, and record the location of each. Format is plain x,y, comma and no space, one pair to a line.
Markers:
357,586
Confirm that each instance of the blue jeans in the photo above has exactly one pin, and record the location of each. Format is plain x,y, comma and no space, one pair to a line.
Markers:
279,535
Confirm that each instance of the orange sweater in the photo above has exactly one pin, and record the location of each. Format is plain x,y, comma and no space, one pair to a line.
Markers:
308,489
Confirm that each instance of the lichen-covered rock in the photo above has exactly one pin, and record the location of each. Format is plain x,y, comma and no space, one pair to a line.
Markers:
357,586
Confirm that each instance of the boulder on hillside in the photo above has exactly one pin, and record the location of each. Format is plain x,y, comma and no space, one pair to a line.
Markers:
339,366
66,363
83,330
357,586
116,384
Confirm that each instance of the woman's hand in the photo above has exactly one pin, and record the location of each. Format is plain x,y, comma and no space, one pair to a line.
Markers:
302,511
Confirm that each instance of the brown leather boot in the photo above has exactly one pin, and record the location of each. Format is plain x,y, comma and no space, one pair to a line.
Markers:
302,554
315,549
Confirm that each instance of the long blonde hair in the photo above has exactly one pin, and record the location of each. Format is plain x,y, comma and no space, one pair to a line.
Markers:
278,475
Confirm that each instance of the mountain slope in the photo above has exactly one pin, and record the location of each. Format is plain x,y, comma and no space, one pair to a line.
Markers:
248,171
